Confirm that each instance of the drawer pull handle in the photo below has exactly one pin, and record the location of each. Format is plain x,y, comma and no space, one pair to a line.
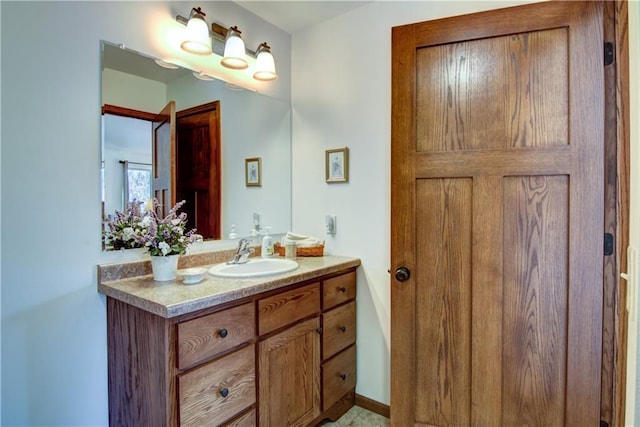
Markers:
343,376
342,328
223,333
342,289
319,330
224,392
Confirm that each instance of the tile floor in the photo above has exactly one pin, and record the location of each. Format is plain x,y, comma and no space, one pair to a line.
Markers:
359,417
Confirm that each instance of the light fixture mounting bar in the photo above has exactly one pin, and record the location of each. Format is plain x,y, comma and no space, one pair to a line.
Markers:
217,32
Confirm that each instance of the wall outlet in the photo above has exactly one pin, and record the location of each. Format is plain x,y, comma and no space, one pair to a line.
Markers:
330,224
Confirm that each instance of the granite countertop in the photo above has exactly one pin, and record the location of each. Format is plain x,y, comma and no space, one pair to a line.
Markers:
174,298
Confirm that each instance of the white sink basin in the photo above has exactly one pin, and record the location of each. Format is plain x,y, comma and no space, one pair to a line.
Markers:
256,267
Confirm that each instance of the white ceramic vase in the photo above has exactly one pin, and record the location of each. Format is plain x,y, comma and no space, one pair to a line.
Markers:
164,267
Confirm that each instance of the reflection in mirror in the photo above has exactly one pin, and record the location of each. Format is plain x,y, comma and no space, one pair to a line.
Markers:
248,125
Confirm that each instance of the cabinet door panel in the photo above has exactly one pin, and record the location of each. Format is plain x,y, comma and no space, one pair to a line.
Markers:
338,290
339,329
288,307
246,420
289,382
338,377
215,392
207,336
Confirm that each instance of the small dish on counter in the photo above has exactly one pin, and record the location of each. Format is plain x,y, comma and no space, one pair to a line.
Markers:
191,276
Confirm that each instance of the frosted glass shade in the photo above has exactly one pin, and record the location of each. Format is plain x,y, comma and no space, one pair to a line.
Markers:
234,51
265,65
196,38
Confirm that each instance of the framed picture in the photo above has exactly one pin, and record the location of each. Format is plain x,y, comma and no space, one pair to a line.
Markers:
253,172
337,165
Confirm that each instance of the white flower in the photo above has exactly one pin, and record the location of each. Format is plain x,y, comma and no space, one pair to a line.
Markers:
164,247
146,221
127,233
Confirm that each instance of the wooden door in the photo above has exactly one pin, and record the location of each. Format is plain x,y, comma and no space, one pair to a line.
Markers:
497,195
289,376
164,153
198,169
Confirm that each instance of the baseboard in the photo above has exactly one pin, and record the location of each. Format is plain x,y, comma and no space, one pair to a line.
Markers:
373,406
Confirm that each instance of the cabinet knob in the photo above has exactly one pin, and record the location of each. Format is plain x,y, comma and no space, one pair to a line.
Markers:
319,330
223,333
342,328
224,392
343,376
342,289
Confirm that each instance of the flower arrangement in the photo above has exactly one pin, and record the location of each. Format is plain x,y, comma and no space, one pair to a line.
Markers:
123,230
166,236
161,236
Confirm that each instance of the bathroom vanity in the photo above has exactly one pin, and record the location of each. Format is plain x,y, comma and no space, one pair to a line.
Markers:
272,351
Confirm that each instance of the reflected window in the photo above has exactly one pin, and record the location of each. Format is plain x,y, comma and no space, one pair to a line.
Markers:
138,182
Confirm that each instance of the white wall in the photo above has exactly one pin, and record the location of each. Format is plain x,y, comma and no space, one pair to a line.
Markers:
54,356
252,125
126,90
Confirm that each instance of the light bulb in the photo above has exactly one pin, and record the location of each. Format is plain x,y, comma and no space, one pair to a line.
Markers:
234,51
196,38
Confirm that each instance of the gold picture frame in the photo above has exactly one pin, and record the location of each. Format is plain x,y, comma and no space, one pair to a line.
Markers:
253,172
337,165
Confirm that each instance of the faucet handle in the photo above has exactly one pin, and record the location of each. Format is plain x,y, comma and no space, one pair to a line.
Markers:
242,244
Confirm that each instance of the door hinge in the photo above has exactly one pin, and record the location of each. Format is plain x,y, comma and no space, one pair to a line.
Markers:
608,244
609,54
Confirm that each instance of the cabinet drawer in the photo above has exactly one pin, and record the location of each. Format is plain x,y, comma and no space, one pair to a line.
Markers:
338,290
285,308
205,337
338,377
339,329
215,392
247,420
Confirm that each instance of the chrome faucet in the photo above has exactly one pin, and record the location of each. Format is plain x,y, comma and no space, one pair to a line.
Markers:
242,253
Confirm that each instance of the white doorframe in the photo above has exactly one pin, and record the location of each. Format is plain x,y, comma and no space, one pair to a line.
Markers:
632,406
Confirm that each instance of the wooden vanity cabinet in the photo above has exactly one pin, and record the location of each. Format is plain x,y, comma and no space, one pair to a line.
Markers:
281,358
289,360
307,359
338,344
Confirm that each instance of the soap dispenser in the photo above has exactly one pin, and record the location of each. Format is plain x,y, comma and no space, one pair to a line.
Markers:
233,234
267,244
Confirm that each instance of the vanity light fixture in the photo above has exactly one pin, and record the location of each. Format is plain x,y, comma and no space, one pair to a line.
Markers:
203,76
265,65
165,64
197,39
235,53
234,50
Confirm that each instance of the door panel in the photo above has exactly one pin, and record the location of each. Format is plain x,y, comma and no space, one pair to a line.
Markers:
198,170
164,153
445,332
520,81
535,289
497,175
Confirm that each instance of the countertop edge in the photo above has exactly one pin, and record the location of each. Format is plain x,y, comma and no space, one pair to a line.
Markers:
250,287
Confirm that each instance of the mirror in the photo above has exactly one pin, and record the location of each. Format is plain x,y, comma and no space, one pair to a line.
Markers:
252,126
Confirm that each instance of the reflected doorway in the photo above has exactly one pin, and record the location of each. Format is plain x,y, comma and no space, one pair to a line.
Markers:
197,163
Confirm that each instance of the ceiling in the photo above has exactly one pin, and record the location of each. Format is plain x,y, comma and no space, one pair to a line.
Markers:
292,16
